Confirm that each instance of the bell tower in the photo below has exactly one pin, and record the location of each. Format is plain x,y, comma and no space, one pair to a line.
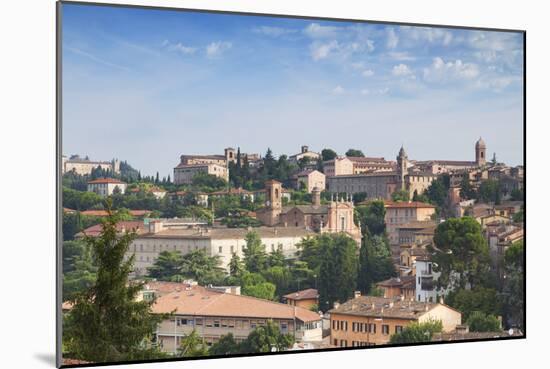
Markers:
402,161
481,152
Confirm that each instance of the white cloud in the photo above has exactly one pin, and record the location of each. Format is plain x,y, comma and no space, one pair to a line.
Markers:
338,90
430,34
368,73
444,71
401,56
322,51
179,47
392,40
401,70
273,31
215,49
365,91
315,30
358,65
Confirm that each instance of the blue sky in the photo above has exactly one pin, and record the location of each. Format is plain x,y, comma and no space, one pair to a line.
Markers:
149,85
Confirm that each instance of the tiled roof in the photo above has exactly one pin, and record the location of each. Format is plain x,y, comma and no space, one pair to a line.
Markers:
199,301
95,230
229,233
417,224
381,307
407,204
106,180
103,213
198,165
310,293
307,209
366,159
404,281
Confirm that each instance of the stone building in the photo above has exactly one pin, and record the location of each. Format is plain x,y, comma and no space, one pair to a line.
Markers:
334,217
380,184
184,173
106,186
213,314
369,321
85,166
350,165
310,179
164,235
304,153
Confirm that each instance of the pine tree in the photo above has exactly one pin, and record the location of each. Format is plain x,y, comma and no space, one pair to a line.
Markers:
235,266
255,257
106,322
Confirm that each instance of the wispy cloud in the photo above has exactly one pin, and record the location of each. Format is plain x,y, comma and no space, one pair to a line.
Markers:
401,70
95,58
216,49
441,71
273,31
315,30
179,47
392,39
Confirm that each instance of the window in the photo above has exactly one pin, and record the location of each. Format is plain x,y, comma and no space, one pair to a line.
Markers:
198,321
385,329
284,327
224,323
372,328
216,323
335,342
253,324
232,249
208,322
334,324
220,249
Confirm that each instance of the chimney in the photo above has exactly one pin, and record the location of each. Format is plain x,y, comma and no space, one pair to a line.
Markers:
357,294
305,148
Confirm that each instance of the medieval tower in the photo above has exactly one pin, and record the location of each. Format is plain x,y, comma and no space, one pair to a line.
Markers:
402,162
481,152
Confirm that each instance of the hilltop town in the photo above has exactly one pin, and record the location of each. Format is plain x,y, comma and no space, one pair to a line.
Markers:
317,249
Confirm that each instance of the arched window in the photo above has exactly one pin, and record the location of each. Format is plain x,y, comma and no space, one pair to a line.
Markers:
276,193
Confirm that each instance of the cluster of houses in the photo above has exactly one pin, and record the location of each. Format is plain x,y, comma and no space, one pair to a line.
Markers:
362,321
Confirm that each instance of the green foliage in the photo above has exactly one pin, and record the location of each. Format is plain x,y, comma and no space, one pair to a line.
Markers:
400,195
106,323
236,267
81,200
204,182
517,194
79,269
519,217
513,304
255,257
267,338
420,198
264,290
375,263
192,345
167,267
479,299
355,153
196,265
338,268
328,154
466,189
226,345
371,217
417,332
489,191
438,191
74,223
280,277
481,322
461,252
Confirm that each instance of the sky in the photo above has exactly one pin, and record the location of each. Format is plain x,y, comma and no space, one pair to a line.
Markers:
147,86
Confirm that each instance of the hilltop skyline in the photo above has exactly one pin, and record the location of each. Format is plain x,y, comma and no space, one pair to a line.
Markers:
149,86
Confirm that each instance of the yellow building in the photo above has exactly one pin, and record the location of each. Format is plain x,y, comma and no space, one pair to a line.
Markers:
368,320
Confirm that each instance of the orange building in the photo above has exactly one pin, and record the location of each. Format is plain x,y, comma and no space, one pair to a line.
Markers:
305,299
369,320
401,286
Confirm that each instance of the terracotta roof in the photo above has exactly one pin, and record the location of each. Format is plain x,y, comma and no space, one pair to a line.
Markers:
380,307
229,233
69,211
407,204
371,174
95,230
106,180
180,165
405,281
459,336
309,293
366,159
69,361
307,209
199,301
103,213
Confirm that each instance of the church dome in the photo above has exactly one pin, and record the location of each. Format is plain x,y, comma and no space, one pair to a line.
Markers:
480,143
